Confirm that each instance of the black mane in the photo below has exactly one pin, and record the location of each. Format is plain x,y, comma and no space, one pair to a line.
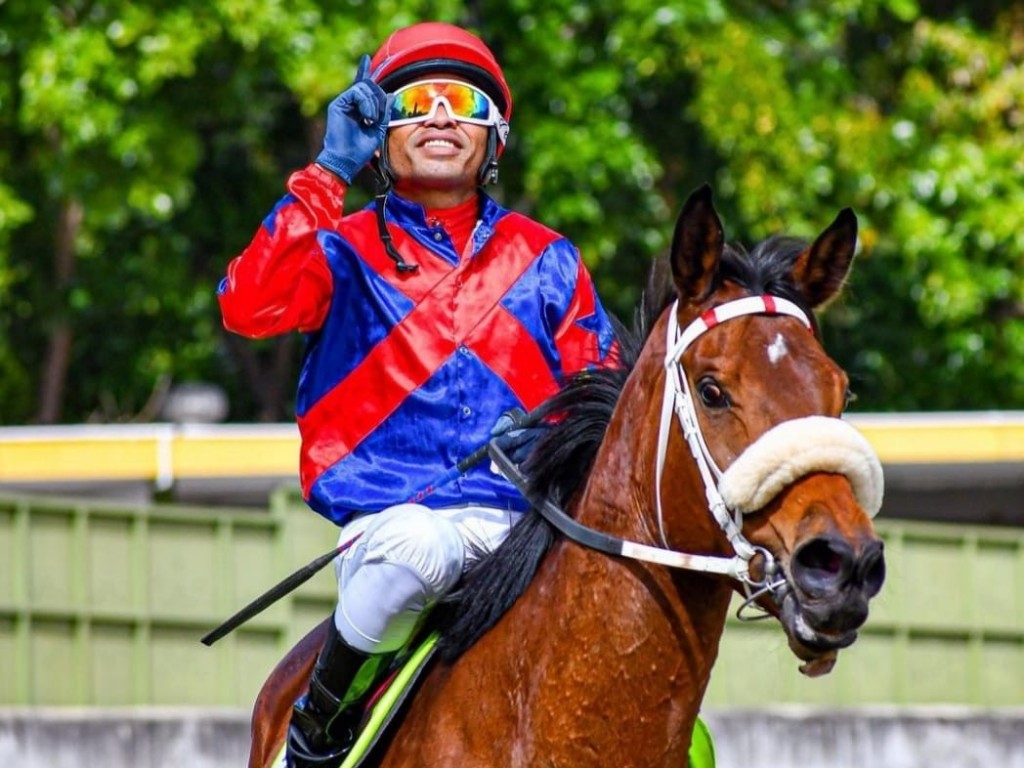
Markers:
561,462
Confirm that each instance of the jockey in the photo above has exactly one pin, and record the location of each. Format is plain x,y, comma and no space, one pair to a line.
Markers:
428,315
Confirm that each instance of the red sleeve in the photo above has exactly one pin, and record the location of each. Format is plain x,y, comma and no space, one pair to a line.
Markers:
281,282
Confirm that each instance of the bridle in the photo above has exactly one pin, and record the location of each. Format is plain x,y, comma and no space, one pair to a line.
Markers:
813,443
678,398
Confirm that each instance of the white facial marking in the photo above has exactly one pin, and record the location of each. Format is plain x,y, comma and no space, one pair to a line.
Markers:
777,349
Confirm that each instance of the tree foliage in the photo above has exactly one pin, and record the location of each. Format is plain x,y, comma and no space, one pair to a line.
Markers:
144,141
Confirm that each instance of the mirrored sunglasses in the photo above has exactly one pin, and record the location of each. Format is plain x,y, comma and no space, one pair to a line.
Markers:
418,102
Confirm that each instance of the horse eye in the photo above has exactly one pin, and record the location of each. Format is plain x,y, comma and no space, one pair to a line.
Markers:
711,394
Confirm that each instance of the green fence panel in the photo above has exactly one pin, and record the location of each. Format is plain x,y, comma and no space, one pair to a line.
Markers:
104,604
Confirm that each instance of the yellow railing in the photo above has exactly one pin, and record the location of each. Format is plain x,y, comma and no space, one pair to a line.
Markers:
161,453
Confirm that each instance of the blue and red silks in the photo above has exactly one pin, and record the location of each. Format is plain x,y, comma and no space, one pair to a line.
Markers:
405,373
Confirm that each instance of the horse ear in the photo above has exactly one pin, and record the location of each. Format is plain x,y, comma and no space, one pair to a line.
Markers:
696,246
821,269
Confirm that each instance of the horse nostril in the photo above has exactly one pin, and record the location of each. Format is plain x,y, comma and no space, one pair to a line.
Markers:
822,564
870,568
821,557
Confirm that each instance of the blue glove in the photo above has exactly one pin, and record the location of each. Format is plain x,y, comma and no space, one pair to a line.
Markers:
514,439
357,122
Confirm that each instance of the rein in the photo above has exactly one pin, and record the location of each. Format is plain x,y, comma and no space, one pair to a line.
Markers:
813,443
588,537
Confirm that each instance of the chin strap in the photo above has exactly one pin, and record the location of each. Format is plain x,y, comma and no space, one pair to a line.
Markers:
386,179
382,227
489,169
384,182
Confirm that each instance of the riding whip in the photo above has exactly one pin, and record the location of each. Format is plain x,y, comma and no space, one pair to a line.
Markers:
272,595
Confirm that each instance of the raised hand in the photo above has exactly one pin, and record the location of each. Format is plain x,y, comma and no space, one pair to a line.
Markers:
357,121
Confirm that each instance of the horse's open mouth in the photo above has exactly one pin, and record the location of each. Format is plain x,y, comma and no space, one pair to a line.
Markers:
817,648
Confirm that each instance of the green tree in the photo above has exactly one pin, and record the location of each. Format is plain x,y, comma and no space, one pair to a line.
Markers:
143,142
911,115
149,139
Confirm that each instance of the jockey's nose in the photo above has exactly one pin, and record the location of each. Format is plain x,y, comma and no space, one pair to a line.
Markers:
441,117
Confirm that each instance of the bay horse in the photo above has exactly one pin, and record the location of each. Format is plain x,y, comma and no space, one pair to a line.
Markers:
717,457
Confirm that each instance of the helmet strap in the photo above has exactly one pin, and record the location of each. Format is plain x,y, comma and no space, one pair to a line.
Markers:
385,179
382,168
489,167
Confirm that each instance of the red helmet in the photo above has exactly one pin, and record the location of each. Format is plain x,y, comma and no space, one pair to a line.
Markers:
432,47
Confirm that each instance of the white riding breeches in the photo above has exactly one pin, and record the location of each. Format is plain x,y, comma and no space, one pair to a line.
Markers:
407,558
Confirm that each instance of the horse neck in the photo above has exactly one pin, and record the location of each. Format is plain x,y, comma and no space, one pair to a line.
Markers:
678,615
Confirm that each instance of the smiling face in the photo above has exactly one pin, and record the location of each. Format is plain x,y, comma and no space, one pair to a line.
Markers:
437,162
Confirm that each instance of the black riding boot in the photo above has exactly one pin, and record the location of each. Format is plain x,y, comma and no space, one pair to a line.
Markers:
325,721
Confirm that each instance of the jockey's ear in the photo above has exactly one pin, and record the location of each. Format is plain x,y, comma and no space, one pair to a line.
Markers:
820,270
697,245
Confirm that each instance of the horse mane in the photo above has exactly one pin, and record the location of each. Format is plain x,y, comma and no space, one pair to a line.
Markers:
577,418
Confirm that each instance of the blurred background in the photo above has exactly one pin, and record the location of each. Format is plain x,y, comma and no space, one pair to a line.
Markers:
147,457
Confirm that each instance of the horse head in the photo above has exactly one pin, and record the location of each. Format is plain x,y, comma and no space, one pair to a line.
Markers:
758,402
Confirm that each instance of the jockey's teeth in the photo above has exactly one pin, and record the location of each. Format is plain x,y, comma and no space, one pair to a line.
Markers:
439,143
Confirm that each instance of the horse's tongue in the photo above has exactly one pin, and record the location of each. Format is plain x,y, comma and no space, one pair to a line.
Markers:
820,666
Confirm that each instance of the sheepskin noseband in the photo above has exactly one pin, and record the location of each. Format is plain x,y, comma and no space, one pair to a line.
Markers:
799,447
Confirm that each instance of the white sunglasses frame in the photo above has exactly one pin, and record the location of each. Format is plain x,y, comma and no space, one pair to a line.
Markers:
495,117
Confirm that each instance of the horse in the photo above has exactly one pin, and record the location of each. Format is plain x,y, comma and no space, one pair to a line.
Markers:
717,458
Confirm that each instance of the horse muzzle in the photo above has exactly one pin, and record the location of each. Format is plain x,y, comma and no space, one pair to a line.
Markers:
824,600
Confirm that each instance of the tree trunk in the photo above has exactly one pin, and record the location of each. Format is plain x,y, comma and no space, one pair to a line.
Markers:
54,376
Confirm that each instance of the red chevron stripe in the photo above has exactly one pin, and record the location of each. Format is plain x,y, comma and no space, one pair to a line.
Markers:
413,350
